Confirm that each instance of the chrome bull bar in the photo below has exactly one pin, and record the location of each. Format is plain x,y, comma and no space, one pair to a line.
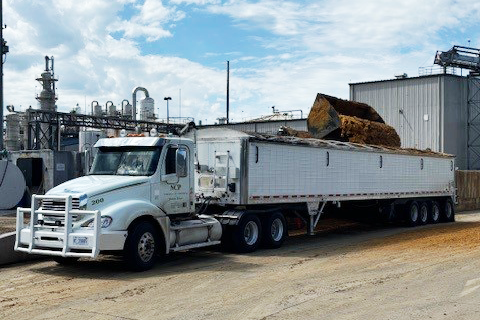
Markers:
65,235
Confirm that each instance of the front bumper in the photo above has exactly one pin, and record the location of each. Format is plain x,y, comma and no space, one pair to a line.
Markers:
63,240
80,243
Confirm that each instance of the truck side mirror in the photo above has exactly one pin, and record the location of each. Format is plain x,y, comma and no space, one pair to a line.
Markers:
181,162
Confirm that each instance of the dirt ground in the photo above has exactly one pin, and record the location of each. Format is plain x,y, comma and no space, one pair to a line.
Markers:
7,224
355,271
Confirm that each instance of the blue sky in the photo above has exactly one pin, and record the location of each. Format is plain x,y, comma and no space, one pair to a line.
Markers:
281,52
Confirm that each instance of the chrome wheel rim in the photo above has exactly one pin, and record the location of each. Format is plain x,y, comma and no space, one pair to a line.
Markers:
277,229
435,213
424,214
250,233
146,247
414,213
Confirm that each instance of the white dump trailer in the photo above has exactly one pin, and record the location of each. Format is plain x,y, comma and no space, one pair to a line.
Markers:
153,195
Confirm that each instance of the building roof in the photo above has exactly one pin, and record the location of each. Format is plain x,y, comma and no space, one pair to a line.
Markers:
409,78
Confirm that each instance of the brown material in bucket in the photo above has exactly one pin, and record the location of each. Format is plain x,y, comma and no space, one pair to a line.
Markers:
353,129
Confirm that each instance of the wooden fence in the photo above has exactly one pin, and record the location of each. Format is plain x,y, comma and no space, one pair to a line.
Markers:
468,189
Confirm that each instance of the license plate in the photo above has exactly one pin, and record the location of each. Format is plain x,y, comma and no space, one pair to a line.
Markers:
80,241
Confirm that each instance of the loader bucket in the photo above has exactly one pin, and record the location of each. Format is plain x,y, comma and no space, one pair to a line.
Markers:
324,115
336,119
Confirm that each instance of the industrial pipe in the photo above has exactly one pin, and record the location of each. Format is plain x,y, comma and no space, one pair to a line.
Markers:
106,106
128,102
134,98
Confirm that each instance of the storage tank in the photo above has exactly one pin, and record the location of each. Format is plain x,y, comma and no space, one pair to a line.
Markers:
12,185
147,107
126,109
97,110
111,108
86,139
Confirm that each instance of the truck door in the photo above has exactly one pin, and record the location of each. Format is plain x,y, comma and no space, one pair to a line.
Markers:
175,184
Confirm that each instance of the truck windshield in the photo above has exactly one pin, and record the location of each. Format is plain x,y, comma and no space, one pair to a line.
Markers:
128,161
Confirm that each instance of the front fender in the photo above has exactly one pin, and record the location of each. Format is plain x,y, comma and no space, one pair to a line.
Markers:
124,212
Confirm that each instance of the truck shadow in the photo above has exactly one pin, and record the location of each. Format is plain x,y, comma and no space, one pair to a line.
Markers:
112,267
328,242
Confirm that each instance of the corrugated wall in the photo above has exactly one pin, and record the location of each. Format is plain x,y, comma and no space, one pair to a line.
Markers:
427,112
403,105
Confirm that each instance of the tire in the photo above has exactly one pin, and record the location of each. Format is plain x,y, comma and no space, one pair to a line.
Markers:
66,261
435,212
141,247
247,235
274,231
423,213
411,213
448,211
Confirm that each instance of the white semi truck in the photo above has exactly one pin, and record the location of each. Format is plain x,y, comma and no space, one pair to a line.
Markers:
147,196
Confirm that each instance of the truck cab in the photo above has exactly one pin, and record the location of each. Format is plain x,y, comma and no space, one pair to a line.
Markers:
137,199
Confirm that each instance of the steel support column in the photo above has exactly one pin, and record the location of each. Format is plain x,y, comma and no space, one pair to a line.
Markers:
473,123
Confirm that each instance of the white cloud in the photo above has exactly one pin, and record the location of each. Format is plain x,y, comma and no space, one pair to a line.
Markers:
195,2
325,26
149,22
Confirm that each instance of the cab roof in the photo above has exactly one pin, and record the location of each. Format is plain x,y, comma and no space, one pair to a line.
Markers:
130,142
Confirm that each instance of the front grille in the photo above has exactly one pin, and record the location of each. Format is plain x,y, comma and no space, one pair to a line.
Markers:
59,205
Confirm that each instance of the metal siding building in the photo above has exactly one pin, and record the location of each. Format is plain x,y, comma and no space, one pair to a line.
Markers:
427,112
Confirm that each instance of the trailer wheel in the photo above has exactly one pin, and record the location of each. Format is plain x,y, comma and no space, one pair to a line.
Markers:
247,235
434,212
448,212
423,213
65,260
412,213
141,247
274,230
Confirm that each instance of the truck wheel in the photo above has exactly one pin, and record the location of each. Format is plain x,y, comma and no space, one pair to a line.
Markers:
65,260
448,212
274,230
246,236
141,247
423,213
412,213
434,212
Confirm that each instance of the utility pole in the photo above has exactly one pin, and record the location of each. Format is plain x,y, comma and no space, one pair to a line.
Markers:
3,51
228,91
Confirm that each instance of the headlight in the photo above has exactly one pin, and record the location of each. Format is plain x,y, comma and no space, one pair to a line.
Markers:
105,222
